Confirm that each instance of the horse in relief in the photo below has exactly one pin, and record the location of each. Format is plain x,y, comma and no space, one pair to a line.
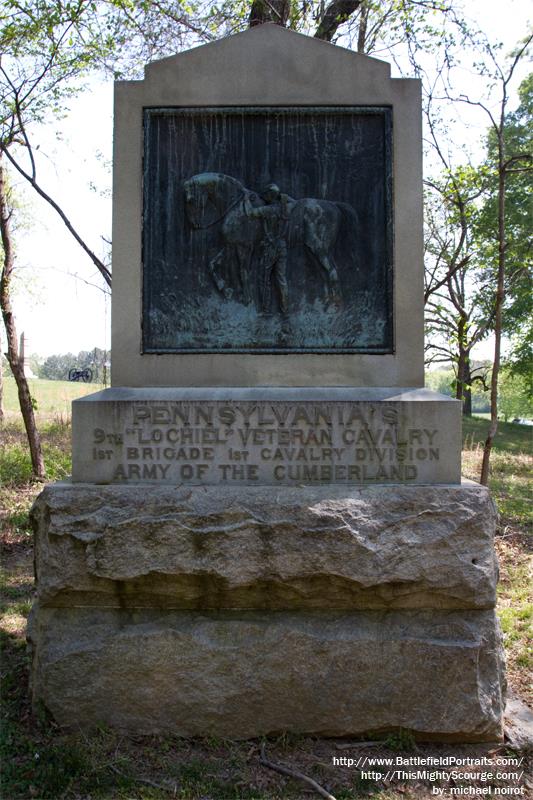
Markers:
212,198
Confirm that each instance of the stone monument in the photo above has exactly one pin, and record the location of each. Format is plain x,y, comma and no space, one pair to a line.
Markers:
266,528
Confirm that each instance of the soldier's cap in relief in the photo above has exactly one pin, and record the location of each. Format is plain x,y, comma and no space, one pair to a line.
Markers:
271,189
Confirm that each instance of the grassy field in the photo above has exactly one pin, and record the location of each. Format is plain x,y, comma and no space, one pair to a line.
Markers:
42,761
511,484
51,398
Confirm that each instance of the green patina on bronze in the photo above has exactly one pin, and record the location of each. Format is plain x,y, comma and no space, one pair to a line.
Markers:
268,230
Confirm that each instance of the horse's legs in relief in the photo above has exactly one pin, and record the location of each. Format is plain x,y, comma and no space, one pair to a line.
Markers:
319,238
328,265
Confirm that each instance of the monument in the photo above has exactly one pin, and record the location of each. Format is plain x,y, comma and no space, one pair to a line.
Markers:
266,528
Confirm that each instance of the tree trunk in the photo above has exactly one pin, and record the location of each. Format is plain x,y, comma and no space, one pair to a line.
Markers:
17,367
459,381
363,23
1,384
467,388
337,12
461,359
498,307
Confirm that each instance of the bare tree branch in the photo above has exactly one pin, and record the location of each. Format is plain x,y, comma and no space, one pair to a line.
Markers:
106,274
13,355
293,773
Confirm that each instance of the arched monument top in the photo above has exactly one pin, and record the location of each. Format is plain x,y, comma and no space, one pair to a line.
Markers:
250,55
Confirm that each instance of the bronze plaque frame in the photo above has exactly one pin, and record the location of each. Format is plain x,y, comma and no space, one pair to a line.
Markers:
325,161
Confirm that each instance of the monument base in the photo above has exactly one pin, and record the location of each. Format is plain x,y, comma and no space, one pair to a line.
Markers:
259,436
243,611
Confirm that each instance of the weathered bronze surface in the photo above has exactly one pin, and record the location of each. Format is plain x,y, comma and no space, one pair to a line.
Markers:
267,230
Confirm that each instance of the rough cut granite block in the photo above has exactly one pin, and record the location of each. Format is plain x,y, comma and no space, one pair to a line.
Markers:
242,611
255,547
244,674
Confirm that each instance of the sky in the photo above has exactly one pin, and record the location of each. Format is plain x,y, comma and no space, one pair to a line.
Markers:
60,300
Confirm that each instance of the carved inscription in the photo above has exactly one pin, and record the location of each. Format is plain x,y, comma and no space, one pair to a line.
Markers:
268,443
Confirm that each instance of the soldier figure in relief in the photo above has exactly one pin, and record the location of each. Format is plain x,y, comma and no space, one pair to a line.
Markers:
265,225
274,216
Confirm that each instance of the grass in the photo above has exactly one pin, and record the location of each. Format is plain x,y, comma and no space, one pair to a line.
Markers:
511,463
510,483
15,463
50,397
510,438
41,761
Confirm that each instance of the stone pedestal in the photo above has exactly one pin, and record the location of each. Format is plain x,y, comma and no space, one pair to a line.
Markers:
243,611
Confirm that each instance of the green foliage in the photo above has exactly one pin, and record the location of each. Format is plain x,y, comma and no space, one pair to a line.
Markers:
6,369
516,614
57,367
441,380
518,155
15,465
511,439
463,236
402,739
510,478
510,482
50,46
46,44
445,380
515,397
519,362
456,317
15,462
515,622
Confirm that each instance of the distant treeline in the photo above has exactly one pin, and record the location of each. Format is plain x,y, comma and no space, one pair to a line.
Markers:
514,400
58,367
444,381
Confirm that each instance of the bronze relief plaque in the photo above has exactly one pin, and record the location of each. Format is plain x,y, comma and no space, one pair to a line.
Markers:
267,230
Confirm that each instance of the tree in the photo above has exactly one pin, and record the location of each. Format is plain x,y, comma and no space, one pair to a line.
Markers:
505,160
46,47
16,364
57,367
441,380
517,320
277,11
1,383
515,400
456,320
49,46
488,271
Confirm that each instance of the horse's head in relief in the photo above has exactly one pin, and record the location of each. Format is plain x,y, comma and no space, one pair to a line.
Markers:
208,196
198,190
